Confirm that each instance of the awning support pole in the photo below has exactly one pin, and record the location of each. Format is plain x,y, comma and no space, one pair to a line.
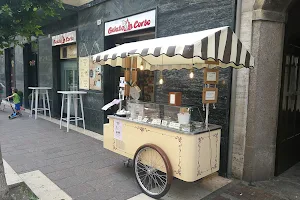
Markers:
207,111
207,114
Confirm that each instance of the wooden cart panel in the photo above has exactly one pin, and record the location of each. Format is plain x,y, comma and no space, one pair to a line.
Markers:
192,156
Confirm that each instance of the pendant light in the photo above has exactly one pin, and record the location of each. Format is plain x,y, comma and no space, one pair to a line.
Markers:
192,70
192,73
142,66
161,80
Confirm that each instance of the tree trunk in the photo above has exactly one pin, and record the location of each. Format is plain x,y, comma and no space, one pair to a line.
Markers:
4,192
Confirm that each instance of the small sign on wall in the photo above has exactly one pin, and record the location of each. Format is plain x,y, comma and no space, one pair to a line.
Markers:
68,52
84,63
175,98
211,76
210,95
95,76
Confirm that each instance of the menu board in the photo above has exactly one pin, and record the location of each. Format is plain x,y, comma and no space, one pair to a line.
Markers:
118,130
210,95
95,76
84,73
211,76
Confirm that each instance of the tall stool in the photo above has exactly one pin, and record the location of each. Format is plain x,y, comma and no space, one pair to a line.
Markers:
36,91
69,95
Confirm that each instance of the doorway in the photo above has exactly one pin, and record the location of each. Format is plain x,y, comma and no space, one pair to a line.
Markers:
69,78
10,70
288,137
30,71
69,75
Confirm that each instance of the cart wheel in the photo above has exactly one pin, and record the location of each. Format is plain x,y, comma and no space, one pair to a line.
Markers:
153,170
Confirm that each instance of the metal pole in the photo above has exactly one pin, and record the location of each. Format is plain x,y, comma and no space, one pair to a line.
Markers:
207,114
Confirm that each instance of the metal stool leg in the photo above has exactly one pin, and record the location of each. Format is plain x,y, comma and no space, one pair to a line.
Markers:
36,103
68,111
32,99
62,110
44,103
47,95
75,108
82,113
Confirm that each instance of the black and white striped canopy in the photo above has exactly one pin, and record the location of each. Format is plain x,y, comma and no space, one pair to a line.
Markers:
182,51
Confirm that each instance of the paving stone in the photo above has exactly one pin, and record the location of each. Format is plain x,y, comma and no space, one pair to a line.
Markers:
78,190
108,180
47,169
58,175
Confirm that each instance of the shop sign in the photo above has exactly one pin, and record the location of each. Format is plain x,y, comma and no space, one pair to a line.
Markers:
132,23
64,38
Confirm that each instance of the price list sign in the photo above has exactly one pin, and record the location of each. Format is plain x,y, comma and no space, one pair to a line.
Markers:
118,130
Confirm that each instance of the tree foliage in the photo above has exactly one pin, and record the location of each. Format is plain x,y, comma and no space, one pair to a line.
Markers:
24,18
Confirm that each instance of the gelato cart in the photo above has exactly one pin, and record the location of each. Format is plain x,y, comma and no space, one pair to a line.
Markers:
174,140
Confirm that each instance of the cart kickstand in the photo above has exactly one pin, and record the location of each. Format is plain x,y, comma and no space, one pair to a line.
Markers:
128,163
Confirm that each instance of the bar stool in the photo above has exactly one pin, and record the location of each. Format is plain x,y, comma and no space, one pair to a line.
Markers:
70,95
36,91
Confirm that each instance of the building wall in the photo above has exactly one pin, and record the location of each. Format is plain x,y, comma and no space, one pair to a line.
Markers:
47,67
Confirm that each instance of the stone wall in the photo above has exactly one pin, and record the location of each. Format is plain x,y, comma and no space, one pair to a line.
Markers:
267,42
240,121
19,68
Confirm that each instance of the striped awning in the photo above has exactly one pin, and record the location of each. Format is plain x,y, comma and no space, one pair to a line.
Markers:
216,47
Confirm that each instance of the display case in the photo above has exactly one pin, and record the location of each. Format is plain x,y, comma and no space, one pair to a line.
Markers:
181,118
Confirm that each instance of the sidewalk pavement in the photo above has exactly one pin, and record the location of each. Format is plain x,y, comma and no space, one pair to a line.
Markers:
49,159
283,187
40,152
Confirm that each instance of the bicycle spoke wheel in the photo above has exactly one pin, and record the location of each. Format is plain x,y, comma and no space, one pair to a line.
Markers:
153,171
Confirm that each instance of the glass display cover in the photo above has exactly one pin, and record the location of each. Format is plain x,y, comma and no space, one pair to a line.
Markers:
183,118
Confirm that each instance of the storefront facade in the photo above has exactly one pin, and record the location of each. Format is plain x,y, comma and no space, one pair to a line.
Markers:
96,29
256,108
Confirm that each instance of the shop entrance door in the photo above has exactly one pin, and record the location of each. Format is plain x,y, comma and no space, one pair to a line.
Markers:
69,78
30,72
288,137
9,71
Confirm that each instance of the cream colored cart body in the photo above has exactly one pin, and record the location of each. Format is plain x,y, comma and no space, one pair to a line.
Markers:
160,153
192,156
